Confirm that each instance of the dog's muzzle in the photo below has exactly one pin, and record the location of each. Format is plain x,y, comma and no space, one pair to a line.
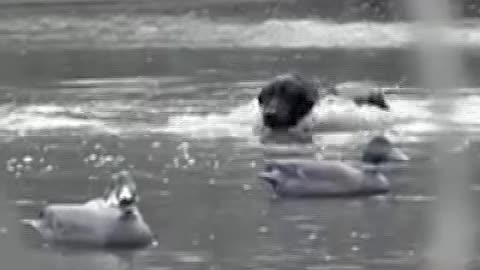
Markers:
271,120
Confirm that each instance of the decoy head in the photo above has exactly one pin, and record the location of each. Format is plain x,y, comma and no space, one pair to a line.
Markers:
277,173
380,150
122,191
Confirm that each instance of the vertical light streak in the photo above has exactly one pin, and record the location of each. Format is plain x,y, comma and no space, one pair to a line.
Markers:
441,69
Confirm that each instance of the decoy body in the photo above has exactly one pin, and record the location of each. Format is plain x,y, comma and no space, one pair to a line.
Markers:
110,221
326,178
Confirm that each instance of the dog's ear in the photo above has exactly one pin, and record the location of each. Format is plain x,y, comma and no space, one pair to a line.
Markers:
305,102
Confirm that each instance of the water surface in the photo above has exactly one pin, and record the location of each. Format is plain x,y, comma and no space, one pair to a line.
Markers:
87,90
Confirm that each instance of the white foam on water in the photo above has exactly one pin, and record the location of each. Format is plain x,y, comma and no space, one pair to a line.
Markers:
206,118
46,117
102,82
328,116
238,123
189,31
465,110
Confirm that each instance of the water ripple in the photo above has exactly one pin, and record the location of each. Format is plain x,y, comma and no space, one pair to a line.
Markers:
189,31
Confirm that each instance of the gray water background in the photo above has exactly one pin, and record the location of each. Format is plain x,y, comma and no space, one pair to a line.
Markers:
163,89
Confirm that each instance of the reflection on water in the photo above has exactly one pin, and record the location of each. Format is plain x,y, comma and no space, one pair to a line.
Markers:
78,103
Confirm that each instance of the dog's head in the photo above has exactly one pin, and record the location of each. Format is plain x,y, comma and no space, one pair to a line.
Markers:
286,100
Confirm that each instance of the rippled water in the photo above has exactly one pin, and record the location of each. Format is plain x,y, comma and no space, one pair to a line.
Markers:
87,90
115,31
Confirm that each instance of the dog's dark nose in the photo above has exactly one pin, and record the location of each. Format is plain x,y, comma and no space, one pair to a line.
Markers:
270,119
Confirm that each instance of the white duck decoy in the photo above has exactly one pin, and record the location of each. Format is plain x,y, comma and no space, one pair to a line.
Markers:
110,221
329,178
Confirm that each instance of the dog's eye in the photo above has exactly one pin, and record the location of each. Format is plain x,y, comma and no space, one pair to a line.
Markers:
260,99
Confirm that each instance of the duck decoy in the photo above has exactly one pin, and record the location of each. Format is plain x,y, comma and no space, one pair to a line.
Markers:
330,178
113,220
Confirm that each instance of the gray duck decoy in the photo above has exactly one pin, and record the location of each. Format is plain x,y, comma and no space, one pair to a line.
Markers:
328,178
